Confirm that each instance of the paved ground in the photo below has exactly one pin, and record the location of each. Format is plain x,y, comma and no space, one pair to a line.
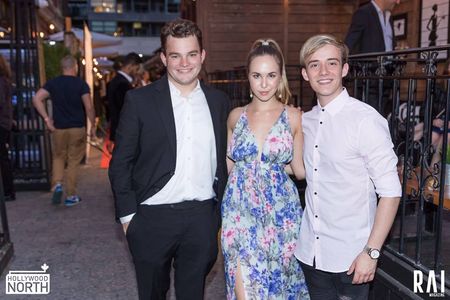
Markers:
84,248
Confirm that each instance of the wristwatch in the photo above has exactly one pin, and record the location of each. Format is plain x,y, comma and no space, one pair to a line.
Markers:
373,253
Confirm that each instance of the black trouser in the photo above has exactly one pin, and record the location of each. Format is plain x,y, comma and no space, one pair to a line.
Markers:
332,286
5,163
186,233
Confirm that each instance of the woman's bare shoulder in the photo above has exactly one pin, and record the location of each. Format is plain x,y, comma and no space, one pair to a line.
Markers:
294,114
234,115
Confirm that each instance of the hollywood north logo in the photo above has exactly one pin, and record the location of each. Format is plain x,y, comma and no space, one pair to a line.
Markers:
28,282
432,287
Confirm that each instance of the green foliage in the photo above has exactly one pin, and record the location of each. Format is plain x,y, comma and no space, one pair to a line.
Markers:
52,56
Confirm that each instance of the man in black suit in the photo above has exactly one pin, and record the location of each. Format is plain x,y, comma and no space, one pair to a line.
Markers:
371,30
168,170
118,87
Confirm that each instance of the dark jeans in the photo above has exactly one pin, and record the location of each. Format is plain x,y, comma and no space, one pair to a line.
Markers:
5,163
186,233
333,286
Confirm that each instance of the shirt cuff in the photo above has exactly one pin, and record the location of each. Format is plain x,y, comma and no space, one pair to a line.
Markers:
127,219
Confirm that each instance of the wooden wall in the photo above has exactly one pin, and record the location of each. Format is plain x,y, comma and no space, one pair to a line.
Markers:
230,26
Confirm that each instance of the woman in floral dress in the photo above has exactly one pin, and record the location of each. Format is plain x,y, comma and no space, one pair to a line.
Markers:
261,209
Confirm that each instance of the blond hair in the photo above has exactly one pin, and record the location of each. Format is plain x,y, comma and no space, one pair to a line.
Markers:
269,47
316,42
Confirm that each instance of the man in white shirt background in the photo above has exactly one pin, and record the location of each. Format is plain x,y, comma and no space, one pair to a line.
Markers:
349,159
371,30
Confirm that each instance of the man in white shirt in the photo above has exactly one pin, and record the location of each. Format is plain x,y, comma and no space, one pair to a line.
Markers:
168,170
348,158
371,30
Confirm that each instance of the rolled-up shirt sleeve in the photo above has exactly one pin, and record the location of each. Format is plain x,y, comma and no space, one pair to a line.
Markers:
377,151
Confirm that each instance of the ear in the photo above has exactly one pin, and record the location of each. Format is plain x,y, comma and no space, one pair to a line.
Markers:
345,68
203,55
304,74
163,58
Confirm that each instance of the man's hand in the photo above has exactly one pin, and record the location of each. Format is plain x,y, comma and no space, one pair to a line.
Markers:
49,123
363,268
125,227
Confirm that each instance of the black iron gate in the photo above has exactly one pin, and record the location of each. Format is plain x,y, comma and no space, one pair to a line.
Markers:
30,145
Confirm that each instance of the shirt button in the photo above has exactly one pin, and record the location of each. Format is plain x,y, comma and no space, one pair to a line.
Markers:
316,146
320,122
317,237
315,193
315,169
316,216
323,109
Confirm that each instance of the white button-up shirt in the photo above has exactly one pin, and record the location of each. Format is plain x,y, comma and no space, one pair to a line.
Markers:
386,27
348,157
196,152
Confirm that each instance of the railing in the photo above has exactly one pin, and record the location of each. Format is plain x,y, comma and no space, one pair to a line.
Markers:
30,143
408,88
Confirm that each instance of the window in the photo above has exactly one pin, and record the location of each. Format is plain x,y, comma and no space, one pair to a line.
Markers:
103,6
108,27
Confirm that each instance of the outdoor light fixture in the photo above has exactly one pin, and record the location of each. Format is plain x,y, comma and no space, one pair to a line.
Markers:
52,43
41,34
51,26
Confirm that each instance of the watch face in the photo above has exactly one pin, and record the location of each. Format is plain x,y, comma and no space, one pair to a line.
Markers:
374,253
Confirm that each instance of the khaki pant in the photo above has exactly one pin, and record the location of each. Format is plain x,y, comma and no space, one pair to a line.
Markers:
69,146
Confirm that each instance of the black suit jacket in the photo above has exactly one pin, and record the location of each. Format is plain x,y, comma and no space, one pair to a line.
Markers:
117,88
144,154
365,33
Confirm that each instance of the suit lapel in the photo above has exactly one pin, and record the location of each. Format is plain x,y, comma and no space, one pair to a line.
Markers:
215,114
165,109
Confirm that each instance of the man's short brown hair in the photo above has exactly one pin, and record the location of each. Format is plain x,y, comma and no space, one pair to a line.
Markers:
180,28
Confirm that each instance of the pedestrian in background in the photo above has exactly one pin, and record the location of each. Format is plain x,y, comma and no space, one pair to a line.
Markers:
118,87
71,103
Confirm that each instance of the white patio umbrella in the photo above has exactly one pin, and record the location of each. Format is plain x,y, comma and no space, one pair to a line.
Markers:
98,39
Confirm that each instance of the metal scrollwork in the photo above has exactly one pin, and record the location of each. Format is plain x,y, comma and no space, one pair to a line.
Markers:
430,67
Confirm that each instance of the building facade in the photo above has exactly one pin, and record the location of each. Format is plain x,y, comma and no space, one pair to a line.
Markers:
138,22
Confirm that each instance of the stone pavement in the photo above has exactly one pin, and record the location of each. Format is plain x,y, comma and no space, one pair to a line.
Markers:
83,246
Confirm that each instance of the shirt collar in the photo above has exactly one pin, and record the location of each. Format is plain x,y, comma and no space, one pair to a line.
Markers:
386,14
336,104
128,77
175,91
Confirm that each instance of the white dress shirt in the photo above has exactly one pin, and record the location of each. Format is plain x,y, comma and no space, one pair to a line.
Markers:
386,27
348,157
196,152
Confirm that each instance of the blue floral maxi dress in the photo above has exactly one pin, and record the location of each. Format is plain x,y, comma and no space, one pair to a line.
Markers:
261,215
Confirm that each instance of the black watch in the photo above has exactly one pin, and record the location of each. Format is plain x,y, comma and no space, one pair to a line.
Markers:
373,253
